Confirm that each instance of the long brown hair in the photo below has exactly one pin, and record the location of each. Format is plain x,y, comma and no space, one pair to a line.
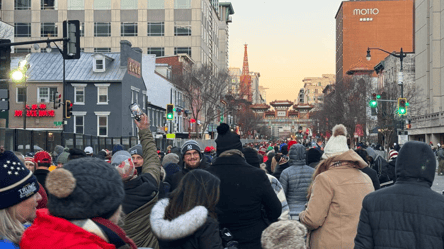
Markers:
323,166
197,188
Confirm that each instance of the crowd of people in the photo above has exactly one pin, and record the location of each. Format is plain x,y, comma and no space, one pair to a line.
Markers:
267,195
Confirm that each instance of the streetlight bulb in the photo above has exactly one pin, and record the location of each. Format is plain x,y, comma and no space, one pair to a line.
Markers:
17,75
48,48
368,57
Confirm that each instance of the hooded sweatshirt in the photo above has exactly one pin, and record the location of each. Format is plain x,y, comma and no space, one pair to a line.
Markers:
296,179
409,213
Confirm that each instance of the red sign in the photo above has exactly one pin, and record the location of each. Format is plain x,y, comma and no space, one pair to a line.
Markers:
35,111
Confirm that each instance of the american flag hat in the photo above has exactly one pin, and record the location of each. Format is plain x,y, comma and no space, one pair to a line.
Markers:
17,183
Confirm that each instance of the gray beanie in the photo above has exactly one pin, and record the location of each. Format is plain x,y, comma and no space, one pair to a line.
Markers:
119,157
63,158
170,158
285,234
190,145
136,150
84,188
59,149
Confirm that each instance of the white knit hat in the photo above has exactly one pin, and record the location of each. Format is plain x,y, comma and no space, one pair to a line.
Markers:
337,144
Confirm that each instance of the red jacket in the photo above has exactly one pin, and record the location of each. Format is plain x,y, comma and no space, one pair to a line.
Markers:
49,231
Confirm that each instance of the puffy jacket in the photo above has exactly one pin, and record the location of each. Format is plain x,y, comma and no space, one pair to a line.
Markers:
335,203
194,229
244,190
49,231
408,214
296,179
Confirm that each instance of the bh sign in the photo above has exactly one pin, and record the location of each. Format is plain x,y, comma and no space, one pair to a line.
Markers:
363,12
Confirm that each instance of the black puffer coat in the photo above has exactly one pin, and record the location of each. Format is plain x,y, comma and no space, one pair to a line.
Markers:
408,214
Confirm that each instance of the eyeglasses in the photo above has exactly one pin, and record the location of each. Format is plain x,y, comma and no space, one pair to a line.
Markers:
192,154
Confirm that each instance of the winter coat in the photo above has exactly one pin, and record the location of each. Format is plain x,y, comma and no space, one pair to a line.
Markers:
6,244
41,175
194,229
296,179
279,190
379,165
244,189
141,193
373,176
49,231
335,203
180,174
408,214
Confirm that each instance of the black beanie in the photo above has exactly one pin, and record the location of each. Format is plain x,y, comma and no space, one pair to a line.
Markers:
252,157
227,140
284,150
313,156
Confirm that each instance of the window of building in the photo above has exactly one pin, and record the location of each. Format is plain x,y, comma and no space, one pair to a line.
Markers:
76,4
102,29
79,94
82,29
182,28
46,94
102,126
156,29
182,4
157,51
48,29
316,90
99,64
22,29
102,50
22,50
48,4
135,96
156,4
128,4
182,50
128,29
21,94
102,4
79,122
102,93
22,4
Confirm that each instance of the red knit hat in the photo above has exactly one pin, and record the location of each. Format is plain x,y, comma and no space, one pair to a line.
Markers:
393,154
207,149
42,157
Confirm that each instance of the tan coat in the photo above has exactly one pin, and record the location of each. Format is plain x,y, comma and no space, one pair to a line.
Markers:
335,203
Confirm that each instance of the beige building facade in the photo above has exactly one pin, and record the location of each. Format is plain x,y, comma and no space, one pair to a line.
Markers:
313,87
428,123
198,28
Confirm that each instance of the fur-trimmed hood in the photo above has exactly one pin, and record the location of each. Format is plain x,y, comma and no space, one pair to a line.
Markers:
180,227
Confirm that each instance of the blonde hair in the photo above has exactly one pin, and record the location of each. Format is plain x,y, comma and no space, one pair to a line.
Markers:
10,227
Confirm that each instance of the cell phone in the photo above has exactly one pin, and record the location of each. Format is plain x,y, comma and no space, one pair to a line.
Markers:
136,111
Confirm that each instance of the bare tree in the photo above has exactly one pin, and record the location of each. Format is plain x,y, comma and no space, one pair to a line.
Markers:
249,121
204,89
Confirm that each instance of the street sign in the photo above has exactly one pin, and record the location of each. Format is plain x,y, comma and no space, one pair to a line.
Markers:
58,123
171,136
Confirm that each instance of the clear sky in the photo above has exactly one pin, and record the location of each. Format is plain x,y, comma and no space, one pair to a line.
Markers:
288,40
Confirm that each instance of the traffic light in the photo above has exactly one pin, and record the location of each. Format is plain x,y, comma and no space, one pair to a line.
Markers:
402,106
373,102
5,60
68,109
170,112
57,100
71,48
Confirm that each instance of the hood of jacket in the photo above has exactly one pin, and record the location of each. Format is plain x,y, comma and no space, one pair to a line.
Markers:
180,227
297,155
416,161
372,153
49,231
352,156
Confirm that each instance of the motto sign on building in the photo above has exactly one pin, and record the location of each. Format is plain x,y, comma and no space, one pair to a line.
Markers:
363,12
